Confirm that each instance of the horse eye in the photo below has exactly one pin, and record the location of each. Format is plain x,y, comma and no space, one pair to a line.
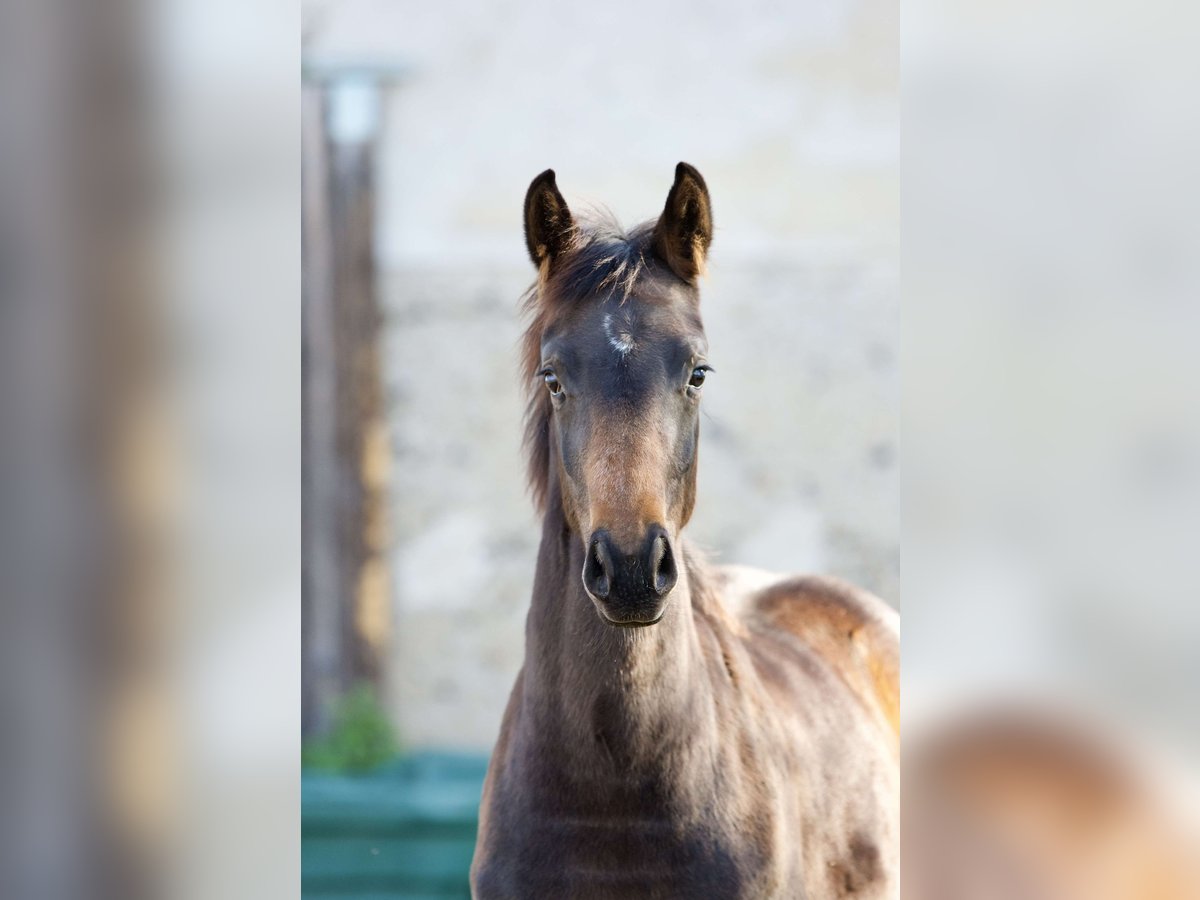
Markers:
698,375
552,383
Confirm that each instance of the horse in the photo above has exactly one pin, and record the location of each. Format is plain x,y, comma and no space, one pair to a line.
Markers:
677,729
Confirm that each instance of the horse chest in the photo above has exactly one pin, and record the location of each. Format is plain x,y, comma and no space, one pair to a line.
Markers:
594,858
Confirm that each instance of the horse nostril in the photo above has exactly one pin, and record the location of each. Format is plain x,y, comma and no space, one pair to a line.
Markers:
597,570
662,566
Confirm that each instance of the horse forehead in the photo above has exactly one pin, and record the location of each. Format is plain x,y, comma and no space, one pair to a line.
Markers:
635,346
629,328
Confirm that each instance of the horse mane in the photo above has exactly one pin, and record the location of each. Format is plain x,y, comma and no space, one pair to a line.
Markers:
602,258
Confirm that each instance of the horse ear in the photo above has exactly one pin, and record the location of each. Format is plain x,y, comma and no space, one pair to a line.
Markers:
548,222
684,230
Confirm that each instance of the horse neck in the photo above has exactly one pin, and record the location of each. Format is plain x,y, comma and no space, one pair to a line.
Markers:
632,695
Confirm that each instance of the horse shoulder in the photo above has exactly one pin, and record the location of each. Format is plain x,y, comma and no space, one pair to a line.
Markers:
854,631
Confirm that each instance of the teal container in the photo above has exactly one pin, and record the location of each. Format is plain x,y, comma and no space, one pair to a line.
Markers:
404,832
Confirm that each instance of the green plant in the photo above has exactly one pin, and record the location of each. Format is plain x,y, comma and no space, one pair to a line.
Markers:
361,737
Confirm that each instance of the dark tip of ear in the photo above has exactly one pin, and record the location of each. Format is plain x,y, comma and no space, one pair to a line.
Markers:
686,170
546,179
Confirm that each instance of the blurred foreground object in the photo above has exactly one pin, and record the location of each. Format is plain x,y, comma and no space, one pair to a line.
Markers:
149,473
1052,450
1020,805
84,462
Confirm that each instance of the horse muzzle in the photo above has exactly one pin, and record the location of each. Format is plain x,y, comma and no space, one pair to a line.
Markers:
630,589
